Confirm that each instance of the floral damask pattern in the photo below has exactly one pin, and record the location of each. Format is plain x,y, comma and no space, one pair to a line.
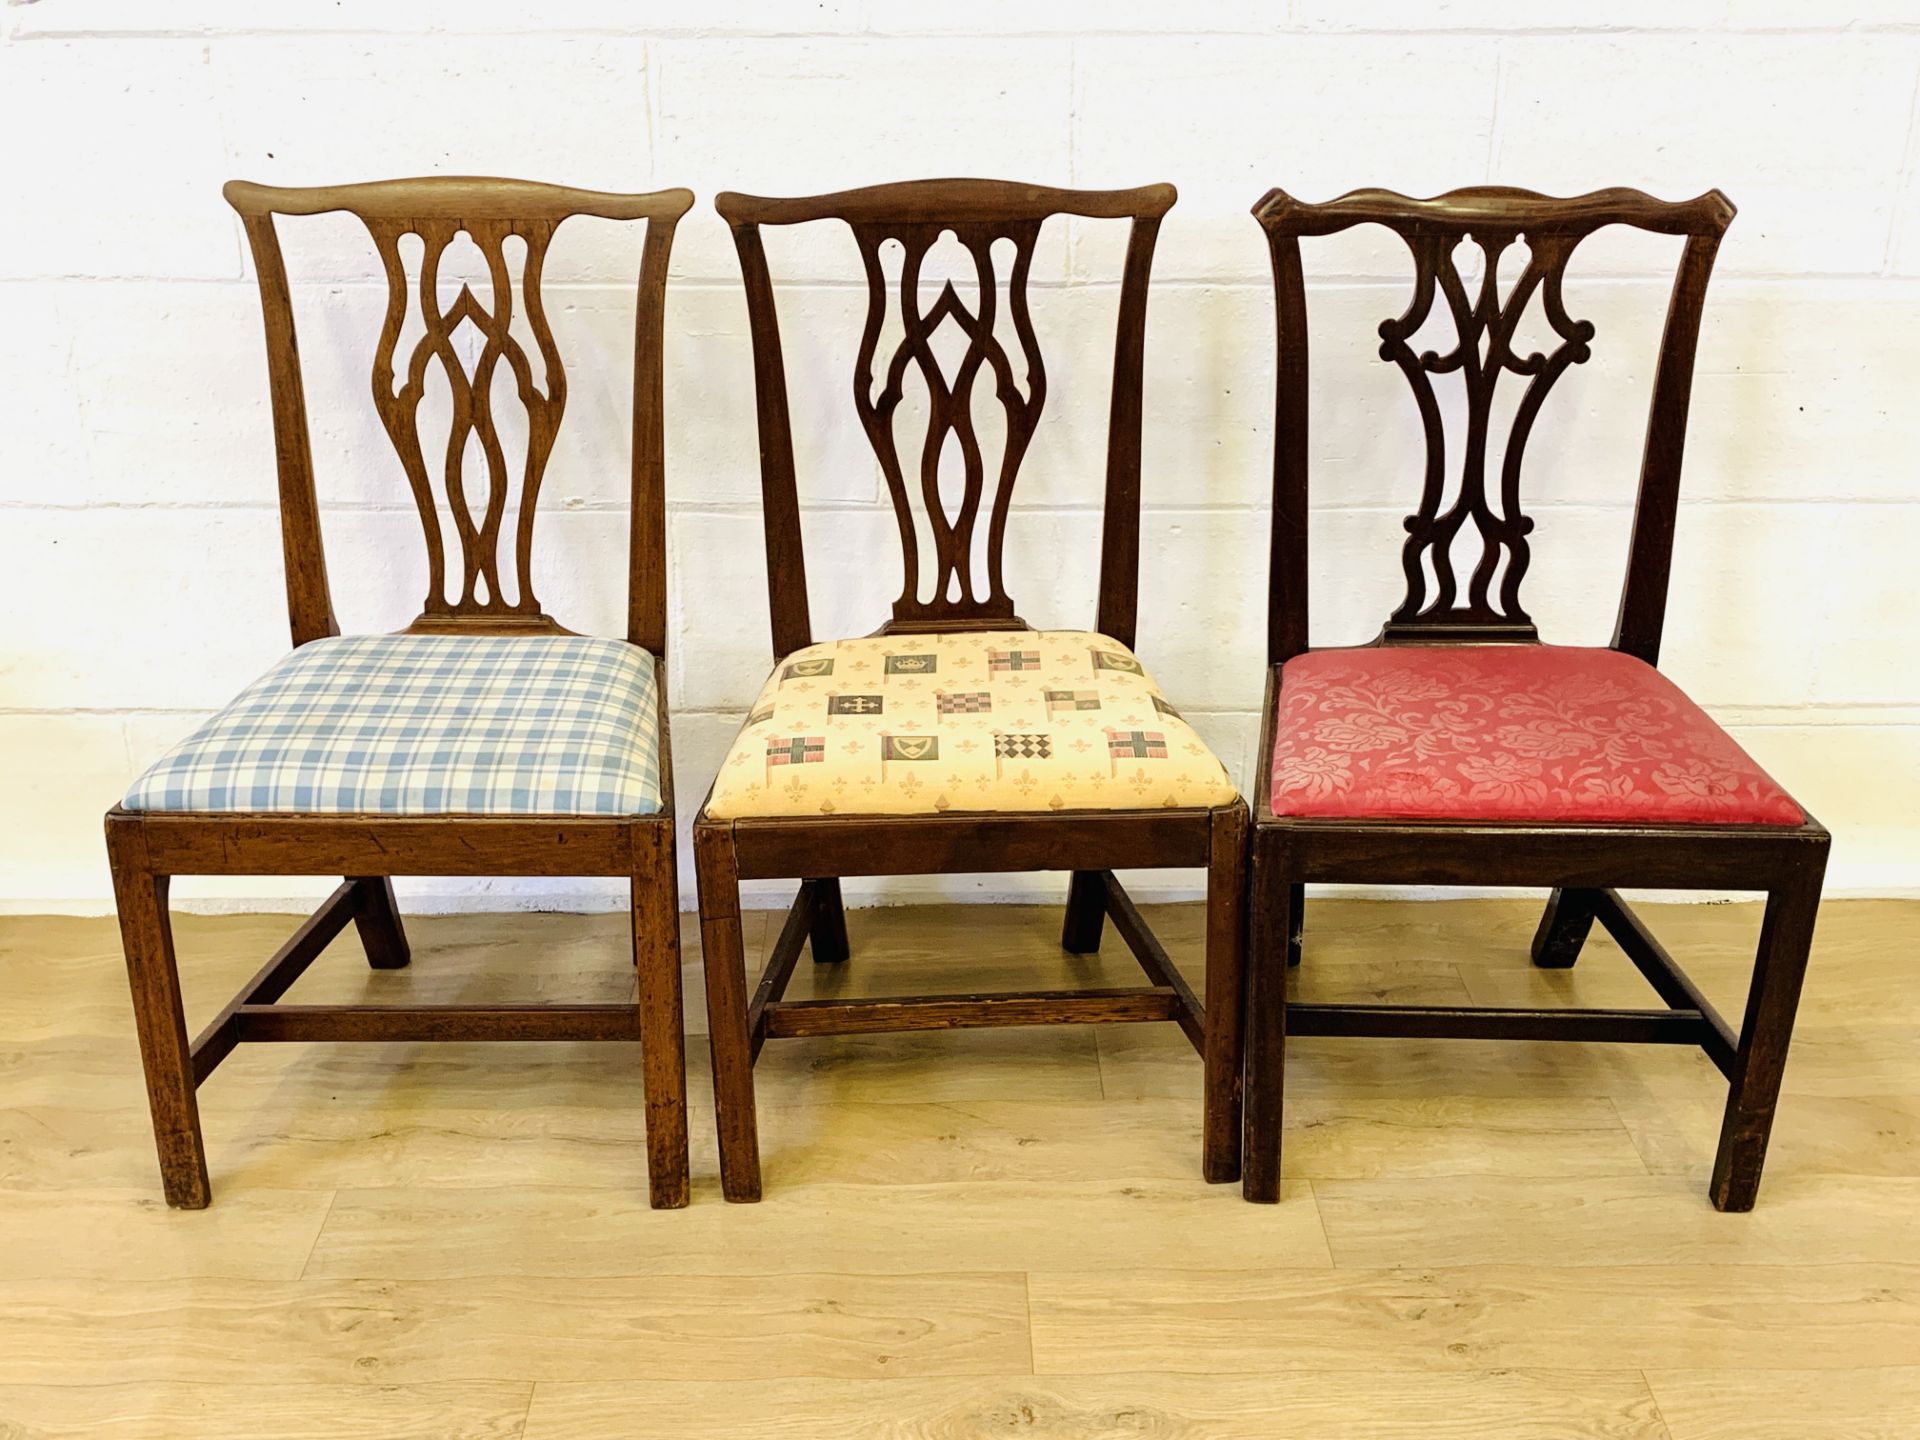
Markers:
1506,732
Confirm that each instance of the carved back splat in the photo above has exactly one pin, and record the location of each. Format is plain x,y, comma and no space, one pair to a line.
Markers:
489,212
1484,323
978,214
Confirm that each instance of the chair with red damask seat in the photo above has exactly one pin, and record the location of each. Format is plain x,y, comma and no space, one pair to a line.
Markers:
1457,748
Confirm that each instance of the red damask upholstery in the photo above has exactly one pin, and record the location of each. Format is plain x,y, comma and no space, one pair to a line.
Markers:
1506,733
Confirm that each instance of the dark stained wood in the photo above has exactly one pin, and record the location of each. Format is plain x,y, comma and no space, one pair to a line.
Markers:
377,918
1131,926
781,959
957,1012
1492,219
1581,863
723,954
436,1022
916,215
1495,1022
1786,939
1223,1053
492,593
943,592
1086,912
1563,929
828,934
956,842
1663,973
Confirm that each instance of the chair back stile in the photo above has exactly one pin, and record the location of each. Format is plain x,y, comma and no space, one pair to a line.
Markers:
979,214
1484,320
492,590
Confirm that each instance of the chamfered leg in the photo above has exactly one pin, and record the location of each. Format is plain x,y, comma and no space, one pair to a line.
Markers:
1269,924
1226,979
1296,928
1786,937
1563,929
827,936
377,919
663,1056
1086,913
717,869
146,934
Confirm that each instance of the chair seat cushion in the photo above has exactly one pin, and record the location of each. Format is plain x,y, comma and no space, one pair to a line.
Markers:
428,725
997,721
1506,733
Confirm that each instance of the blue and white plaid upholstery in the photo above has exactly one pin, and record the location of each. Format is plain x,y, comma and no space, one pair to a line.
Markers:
428,725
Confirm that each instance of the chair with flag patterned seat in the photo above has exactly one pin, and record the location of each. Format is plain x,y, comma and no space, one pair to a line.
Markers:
486,739
1458,749
958,738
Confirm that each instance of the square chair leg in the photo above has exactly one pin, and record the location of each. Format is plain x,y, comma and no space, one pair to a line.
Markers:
663,1057
723,952
146,934
1270,928
1786,938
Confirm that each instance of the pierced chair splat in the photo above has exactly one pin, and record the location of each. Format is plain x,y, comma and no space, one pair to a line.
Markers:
959,738
1459,750
485,739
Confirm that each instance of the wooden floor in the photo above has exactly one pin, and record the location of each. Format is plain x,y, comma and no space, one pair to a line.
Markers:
975,1234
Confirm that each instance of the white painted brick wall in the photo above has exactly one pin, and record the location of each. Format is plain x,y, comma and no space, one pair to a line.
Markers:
138,545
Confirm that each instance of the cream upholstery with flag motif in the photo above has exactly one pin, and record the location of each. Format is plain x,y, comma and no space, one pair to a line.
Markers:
997,721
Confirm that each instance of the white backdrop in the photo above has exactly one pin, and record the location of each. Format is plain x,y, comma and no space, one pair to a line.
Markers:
139,562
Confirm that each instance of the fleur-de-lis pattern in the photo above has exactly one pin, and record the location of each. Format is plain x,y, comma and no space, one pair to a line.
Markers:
1506,733
965,728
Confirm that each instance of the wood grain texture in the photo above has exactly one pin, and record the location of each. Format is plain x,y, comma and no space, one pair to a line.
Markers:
385,1332
166,1410
1503,1405
1867,1404
982,1225
1476,1317
486,589
1517,1231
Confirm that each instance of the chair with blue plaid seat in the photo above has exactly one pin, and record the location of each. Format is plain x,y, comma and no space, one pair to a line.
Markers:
485,739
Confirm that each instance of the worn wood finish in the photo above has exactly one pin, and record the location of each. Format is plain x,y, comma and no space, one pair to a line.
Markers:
960,1012
1581,863
894,230
485,587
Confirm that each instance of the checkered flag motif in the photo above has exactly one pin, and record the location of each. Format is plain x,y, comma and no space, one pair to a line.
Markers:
1136,745
1058,700
1001,662
1020,747
965,702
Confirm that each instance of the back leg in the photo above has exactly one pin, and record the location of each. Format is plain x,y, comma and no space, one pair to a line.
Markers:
1563,929
828,933
377,919
1297,908
1086,912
